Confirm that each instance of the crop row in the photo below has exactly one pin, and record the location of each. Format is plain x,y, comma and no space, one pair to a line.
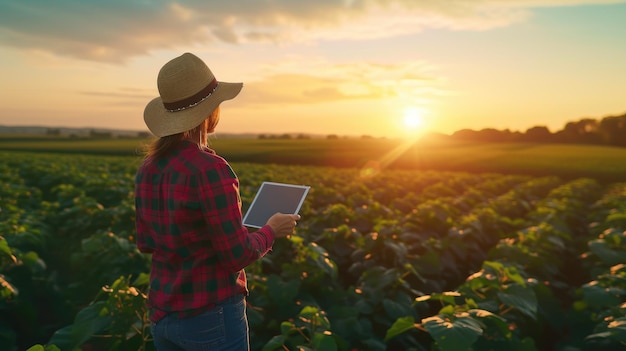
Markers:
385,260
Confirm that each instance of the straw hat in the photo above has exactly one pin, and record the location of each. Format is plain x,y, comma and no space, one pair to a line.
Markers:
188,93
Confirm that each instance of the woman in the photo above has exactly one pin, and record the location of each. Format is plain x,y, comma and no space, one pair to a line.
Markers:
188,216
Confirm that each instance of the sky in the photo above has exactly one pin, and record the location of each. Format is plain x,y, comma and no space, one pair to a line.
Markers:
384,68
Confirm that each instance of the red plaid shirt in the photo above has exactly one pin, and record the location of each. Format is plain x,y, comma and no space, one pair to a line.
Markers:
189,218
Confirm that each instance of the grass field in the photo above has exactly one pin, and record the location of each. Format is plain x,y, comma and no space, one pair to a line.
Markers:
607,164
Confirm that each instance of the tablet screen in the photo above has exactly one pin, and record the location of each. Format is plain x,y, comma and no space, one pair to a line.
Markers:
274,197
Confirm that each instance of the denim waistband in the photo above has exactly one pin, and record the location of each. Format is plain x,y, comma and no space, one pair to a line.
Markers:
156,314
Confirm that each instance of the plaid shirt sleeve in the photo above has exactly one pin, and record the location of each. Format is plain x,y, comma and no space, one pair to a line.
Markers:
236,248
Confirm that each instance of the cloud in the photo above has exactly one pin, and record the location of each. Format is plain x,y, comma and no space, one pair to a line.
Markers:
98,31
116,30
340,82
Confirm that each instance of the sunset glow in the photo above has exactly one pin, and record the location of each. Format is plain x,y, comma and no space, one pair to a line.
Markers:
345,68
413,118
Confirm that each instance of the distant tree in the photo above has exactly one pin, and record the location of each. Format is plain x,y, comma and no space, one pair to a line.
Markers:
506,135
517,136
491,134
584,131
609,131
465,134
612,130
569,133
588,131
332,136
303,136
539,134
262,136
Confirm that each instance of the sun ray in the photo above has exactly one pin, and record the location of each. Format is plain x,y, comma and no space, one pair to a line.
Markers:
373,167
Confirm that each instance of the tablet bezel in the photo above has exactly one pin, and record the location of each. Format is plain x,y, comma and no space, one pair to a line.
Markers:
259,193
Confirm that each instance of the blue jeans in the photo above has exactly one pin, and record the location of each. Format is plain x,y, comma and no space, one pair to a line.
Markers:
224,327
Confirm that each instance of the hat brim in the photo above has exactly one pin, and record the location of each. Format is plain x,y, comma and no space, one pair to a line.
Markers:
162,122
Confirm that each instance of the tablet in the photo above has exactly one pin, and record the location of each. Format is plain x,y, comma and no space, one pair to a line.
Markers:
274,197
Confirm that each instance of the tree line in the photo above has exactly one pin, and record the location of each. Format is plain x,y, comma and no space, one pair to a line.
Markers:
609,131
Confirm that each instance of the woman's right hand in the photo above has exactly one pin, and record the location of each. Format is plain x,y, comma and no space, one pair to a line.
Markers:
283,224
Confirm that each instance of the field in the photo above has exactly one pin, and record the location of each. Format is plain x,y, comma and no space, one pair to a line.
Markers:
433,246
605,164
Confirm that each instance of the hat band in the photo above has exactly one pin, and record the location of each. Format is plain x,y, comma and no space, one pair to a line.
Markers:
192,100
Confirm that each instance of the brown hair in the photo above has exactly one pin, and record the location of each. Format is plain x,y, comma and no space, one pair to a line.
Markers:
161,146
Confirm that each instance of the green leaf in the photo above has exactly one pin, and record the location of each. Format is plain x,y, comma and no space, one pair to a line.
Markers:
496,266
309,311
364,306
275,343
490,321
63,338
374,344
513,274
324,342
342,311
142,279
598,296
281,291
286,328
395,309
618,329
602,335
7,290
482,279
88,322
31,259
557,241
476,313
446,297
314,316
414,271
322,260
377,279
616,220
607,255
351,326
447,310
296,239
400,326
453,334
521,298
5,250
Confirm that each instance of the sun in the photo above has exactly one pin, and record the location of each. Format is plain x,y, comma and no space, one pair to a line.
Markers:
413,117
